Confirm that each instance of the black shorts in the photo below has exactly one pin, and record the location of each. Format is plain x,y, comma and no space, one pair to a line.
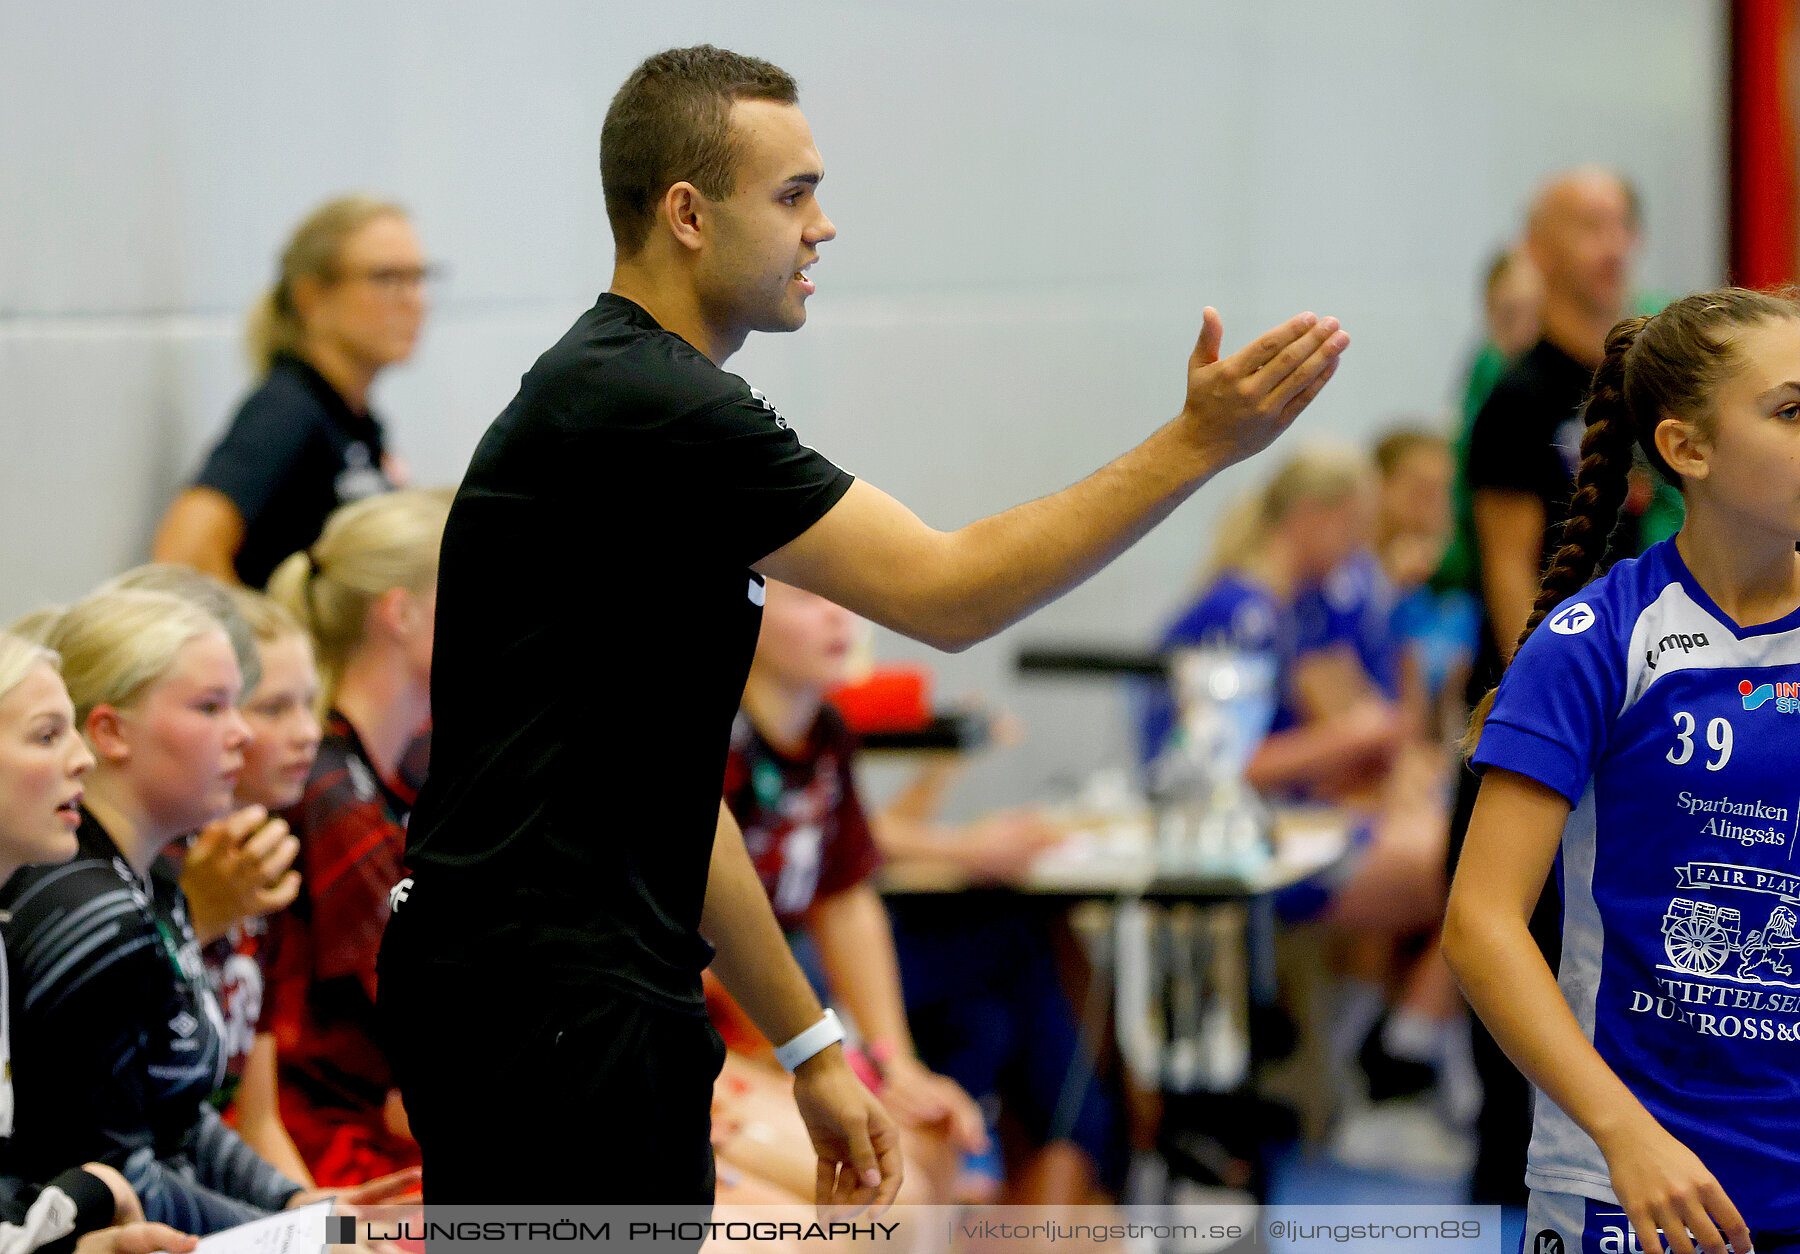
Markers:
527,1091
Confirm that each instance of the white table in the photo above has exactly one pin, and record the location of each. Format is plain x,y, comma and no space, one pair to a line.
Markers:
1188,952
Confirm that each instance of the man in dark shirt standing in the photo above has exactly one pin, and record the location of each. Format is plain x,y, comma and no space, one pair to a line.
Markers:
573,866
1526,443
1524,450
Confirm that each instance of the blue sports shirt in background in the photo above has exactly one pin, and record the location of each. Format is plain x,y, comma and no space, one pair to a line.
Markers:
1235,613
1354,606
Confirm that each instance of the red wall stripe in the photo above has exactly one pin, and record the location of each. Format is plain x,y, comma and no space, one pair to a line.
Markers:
1765,202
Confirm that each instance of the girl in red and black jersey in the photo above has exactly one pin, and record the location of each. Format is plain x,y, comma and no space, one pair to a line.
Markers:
367,593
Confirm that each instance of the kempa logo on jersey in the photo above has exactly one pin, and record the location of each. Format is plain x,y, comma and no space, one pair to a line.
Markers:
1574,620
1785,696
1682,641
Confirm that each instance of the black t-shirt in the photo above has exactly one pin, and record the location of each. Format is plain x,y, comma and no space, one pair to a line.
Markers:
294,452
1527,438
596,618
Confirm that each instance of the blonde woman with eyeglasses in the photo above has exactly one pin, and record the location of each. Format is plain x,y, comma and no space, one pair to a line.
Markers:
347,302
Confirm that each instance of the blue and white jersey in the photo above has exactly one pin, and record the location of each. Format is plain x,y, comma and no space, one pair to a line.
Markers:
1674,735
1354,606
1233,612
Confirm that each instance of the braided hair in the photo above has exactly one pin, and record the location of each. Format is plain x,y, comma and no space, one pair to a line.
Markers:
1659,367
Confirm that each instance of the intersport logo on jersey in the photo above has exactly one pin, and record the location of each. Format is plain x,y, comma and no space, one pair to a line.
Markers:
1785,696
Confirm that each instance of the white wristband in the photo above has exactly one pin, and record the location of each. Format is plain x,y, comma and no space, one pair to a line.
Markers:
827,1031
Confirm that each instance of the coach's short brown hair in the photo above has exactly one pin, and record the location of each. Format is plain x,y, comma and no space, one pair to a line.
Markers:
671,123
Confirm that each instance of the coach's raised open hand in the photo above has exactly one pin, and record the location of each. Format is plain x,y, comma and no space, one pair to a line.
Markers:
1235,407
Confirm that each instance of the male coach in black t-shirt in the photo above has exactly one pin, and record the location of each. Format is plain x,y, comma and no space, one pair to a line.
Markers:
1525,445
598,603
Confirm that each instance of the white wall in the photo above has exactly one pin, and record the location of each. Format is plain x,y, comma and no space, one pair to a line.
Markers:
1034,201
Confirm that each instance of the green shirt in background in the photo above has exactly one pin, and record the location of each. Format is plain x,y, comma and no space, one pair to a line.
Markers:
1457,569
1662,518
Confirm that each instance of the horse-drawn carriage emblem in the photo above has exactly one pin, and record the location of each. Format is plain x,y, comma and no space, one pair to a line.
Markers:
1699,936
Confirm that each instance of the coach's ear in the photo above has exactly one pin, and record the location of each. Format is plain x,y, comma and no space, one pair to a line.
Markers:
684,211
1685,449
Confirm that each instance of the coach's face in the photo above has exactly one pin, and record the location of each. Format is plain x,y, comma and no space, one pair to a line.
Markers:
768,231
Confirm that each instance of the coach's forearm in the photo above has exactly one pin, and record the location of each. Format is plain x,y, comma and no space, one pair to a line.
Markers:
872,555
753,960
994,572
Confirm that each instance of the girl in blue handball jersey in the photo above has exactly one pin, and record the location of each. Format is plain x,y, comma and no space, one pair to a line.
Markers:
1644,741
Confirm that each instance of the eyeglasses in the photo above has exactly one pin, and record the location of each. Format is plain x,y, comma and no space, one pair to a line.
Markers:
399,280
